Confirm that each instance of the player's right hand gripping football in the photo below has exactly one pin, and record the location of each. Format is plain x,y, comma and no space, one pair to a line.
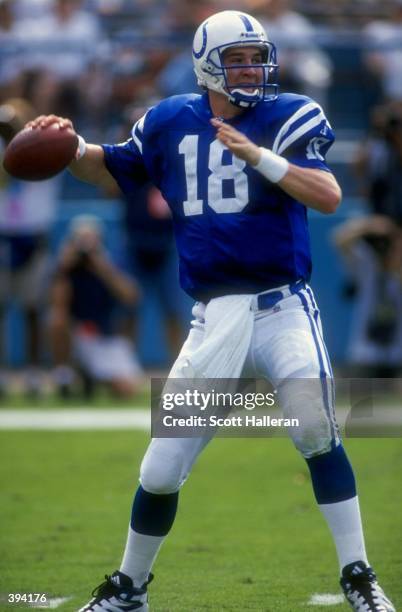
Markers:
44,121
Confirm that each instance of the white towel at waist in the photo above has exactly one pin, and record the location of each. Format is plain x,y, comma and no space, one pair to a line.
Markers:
228,329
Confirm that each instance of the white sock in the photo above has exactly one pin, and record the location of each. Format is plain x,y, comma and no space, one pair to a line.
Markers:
345,524
139,555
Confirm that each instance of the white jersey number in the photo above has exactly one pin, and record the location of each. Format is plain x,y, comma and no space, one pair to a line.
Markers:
219,172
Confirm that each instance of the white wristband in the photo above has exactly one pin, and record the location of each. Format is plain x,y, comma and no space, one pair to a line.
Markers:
82,147
272,166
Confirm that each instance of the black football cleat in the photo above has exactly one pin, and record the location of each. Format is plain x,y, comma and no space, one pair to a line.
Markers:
362,591
117,594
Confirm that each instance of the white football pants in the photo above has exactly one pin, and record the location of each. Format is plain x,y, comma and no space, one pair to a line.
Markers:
286,346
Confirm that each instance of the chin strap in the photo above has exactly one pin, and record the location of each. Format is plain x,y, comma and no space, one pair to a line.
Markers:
242,103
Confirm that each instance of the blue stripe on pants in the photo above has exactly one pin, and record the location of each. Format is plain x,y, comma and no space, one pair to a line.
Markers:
323,374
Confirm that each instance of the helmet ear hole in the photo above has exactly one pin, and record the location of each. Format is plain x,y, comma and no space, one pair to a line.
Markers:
206,67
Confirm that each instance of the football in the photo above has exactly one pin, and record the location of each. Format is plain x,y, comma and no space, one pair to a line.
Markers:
35,154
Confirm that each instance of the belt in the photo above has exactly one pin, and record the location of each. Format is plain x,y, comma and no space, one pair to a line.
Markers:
270,298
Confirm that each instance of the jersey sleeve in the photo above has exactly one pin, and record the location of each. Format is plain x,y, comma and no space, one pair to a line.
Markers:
125,161
305,137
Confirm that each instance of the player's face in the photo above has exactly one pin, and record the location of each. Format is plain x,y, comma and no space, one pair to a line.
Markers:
241,72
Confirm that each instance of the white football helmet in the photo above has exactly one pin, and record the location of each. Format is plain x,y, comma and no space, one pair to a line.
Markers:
234,29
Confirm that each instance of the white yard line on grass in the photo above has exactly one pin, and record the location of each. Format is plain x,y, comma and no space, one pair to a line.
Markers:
325,599
388,419
76,419
51,603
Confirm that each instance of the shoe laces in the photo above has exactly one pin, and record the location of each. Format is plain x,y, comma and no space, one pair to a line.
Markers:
108,586
371,588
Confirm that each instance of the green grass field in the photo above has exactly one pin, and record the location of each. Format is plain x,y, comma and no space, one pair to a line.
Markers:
248,535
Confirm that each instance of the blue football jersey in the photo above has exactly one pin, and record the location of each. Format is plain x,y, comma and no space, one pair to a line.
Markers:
235,231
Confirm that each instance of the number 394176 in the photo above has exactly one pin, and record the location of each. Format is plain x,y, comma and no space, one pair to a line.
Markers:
27,597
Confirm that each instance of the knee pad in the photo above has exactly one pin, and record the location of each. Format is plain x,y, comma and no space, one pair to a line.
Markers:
162,467
313,440
317,429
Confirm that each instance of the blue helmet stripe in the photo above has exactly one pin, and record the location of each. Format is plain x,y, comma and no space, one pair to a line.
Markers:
201,52
247,23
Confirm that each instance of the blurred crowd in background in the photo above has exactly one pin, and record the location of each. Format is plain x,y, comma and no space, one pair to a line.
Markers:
75,289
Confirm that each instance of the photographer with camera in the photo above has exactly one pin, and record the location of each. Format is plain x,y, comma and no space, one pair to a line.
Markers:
88,296
379,162
372,248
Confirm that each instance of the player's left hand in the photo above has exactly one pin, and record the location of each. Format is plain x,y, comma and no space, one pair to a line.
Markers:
237,142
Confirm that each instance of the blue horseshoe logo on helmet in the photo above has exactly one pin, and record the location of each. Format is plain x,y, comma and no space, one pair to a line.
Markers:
198,54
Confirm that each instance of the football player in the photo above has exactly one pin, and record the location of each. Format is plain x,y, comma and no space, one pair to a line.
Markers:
239,166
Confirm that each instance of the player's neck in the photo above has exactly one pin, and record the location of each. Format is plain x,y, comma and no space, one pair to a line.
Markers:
221,107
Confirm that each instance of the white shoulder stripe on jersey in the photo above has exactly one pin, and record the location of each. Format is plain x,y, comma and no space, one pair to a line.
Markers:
137,129
303,129
304,110
299,113
136,139
141,121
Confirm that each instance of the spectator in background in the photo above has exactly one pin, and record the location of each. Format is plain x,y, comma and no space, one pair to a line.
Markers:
144,17
57,50
6,21
383,57
9,59
178,76
379,162
372,249
31,9
43,90
62,47
305,68
64,40
87,296
27,212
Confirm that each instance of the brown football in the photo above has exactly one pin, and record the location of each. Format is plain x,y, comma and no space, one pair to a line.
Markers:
40,153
